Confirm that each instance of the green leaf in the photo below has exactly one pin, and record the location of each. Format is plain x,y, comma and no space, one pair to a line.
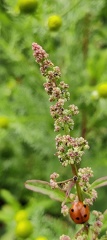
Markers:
43,187
8,235
100,182
9,198
104,227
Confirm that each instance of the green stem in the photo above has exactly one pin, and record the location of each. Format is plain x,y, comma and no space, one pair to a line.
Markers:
75,173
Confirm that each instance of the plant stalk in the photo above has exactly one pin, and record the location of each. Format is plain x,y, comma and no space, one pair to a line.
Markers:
78,188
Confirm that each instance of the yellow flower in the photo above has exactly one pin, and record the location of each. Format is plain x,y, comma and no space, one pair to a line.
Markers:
27,6
4,122
24,229
41,238
21,215
102,90
54,22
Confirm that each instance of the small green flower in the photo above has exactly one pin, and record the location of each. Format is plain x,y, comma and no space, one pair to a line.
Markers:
27,6
102,90
54,22
24,229
4,122
21,215
41,238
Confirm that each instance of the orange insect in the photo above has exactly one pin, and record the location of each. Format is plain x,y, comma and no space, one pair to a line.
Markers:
79,212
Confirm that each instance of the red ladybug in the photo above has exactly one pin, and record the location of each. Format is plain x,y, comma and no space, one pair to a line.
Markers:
79,212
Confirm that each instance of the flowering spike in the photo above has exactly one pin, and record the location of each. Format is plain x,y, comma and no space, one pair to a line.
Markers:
69,150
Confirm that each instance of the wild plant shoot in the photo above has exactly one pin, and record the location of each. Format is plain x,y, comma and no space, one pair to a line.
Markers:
69,150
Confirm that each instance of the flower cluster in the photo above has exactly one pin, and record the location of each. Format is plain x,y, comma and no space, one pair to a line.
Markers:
70,150
64,210
84,175
39,53
58,91
46,66
96,227
53,182
64,237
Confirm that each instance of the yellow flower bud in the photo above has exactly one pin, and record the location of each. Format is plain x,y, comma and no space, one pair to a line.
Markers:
21,215
24,229
54,22
4,122
102,90
27,6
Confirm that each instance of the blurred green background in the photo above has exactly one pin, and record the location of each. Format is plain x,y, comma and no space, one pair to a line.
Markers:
78,45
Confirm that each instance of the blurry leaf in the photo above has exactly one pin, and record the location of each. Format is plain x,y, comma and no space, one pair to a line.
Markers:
9,198
8,235
43,187
100,182
104,237
104,227
7,213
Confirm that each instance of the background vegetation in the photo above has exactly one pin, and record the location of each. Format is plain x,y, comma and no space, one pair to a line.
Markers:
27,147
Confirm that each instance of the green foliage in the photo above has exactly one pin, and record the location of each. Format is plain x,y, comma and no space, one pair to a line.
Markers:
79,47
39,213
43,223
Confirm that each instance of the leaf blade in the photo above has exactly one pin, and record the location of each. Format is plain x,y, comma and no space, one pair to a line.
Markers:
43,187
100,182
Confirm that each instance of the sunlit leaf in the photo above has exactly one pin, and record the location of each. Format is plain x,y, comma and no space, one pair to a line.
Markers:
104,226
9,198
43,187
100,182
